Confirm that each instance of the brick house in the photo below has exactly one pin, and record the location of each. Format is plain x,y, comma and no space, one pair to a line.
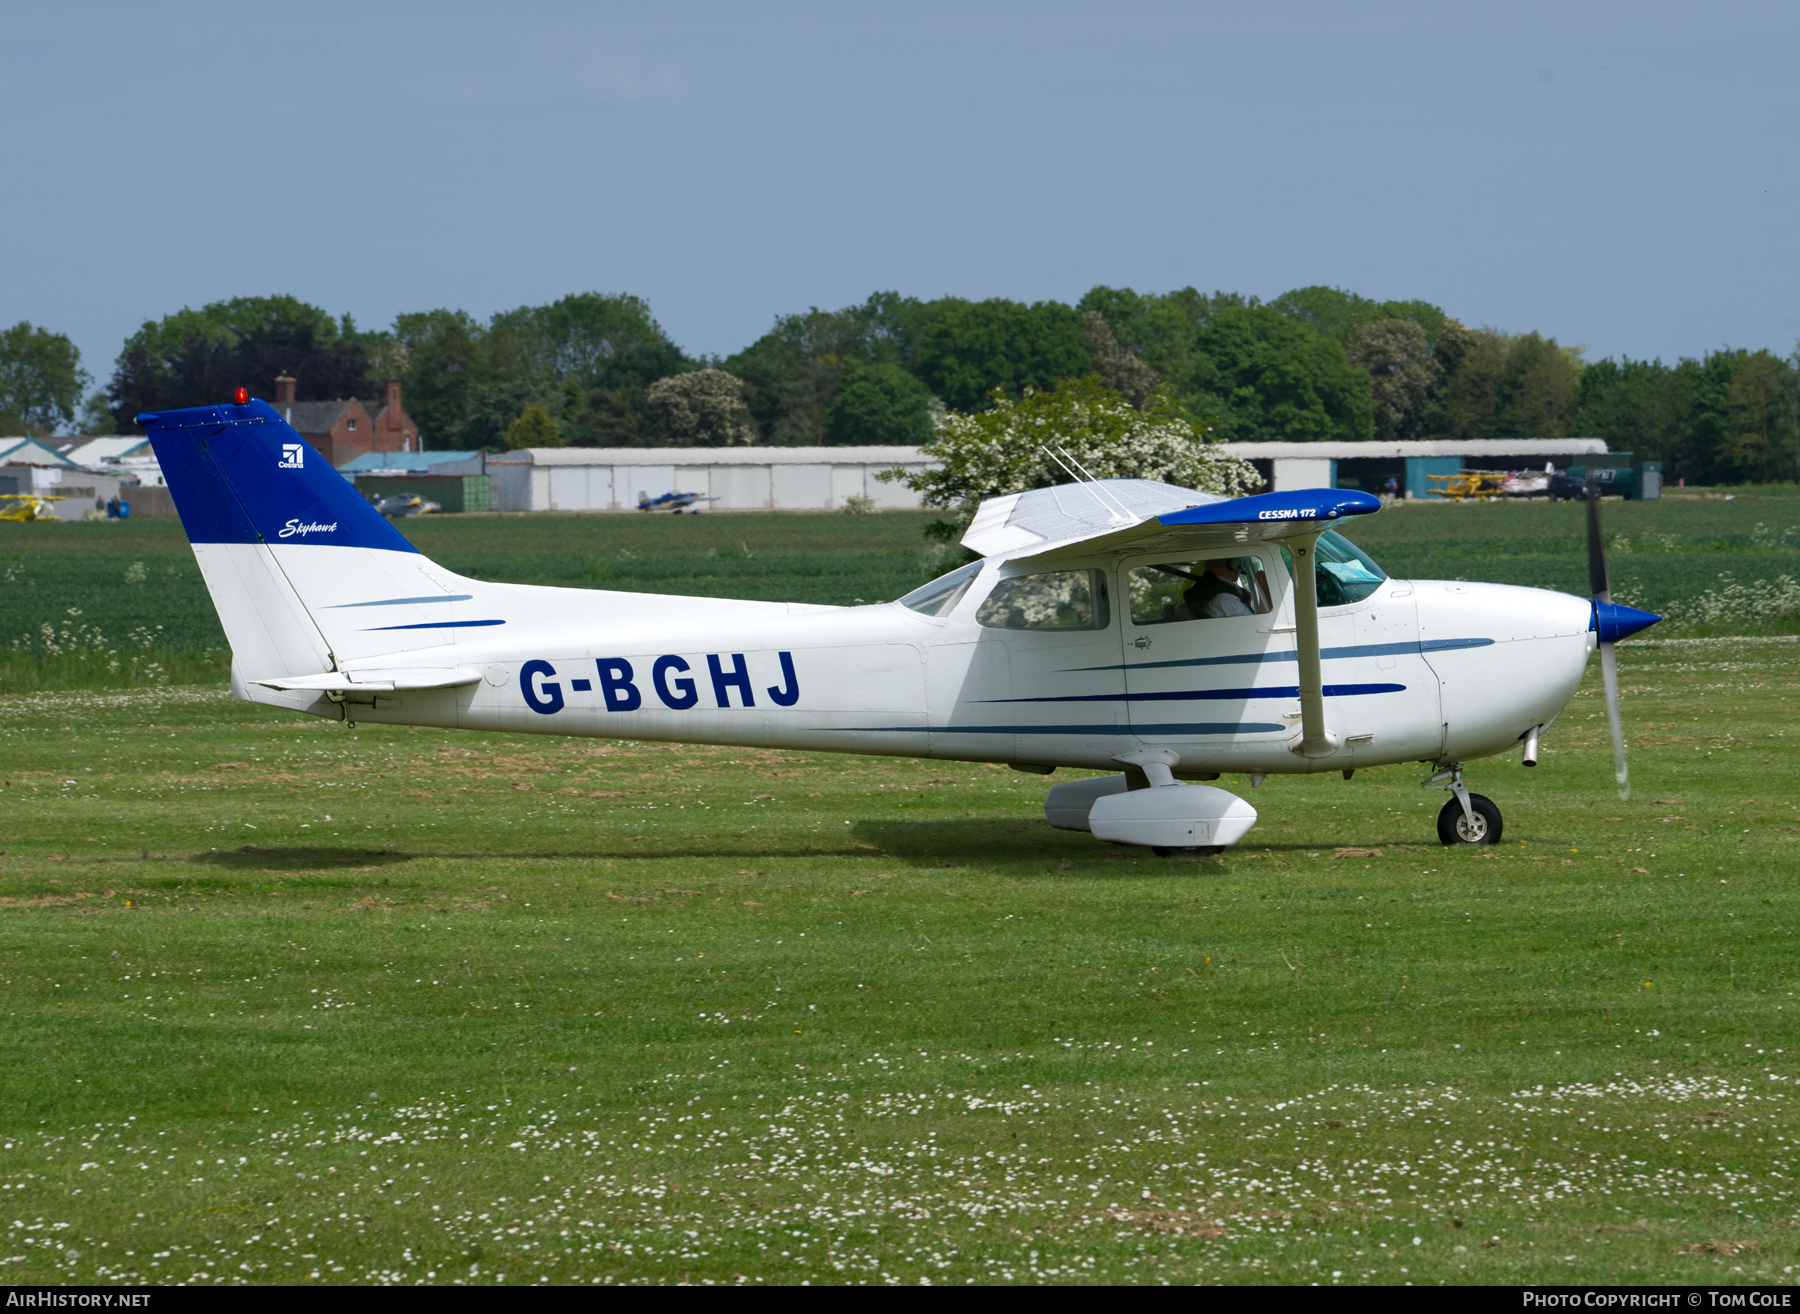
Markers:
346,429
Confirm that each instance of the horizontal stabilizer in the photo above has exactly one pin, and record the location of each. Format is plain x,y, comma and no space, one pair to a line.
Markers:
376,681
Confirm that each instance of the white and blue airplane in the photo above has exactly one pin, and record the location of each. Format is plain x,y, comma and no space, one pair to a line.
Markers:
674,503
1123,625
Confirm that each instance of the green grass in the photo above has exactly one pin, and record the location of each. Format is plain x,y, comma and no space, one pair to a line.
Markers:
69,576
287,1002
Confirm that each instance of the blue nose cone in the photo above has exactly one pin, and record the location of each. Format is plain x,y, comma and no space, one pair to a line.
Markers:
1614,622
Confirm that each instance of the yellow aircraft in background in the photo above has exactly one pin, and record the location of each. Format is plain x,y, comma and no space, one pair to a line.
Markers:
26,506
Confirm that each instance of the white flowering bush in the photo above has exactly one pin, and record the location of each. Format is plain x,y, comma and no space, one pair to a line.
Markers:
700,408
996,452
76,648
1734,606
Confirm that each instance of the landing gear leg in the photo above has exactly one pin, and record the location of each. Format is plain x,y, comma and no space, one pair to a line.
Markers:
1467,818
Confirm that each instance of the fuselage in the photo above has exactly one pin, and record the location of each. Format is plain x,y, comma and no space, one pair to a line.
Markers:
1433,671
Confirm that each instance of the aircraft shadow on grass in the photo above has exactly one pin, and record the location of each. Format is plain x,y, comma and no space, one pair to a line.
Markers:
312,858
930,843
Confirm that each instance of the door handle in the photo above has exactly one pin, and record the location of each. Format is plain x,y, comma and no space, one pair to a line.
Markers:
1140,642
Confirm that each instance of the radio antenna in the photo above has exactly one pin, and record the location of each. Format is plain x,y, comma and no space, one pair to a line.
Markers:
1081,483
1095,488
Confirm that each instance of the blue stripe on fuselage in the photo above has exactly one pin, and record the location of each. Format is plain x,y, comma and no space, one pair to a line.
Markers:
1180,695
1202,728
400,602
435,625
1411,648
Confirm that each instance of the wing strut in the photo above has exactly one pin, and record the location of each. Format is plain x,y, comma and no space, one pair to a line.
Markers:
1315,739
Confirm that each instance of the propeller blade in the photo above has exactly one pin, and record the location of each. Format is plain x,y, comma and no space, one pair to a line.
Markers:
1609,673
1597,583
1609,665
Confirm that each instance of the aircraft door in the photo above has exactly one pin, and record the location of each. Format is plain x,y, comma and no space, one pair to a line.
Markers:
1040,681
1398,718
1209,650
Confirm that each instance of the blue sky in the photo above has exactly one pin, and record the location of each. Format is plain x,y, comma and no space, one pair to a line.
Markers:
1617,175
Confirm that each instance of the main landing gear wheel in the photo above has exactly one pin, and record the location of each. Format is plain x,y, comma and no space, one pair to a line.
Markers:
1454,827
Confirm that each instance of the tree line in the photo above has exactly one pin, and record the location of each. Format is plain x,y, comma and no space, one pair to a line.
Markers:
598,370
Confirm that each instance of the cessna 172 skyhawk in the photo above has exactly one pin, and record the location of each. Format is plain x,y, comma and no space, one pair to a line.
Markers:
1115,623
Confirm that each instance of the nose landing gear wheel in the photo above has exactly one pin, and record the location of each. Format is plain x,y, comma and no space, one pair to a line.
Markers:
1454,827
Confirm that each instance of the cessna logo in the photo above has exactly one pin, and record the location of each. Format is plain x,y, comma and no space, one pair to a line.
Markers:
293,457
296,527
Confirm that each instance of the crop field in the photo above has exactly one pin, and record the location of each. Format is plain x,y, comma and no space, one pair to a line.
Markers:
290,1002
125,606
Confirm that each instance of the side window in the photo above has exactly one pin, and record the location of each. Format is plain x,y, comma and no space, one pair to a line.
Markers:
939,598
1055,600
1211,589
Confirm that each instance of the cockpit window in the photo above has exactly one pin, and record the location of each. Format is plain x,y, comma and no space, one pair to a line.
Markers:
939,598
1345,573
1211,589
1054,600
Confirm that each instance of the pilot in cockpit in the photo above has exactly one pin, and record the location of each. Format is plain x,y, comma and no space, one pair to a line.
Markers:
1198,590
1217,591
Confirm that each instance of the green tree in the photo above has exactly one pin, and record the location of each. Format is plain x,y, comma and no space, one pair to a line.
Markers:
1759,442
1402,372
1641,406
1001,450
1500,386
41,380
599,339
198,357
879,403
792,374
970,348
96,416
1162,330
534,428
491,408
587,358
1271,379
1539,388
1119,369
1338,314
1741,425
1272,371
441,356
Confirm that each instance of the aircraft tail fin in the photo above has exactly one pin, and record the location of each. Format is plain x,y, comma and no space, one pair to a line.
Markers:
306,575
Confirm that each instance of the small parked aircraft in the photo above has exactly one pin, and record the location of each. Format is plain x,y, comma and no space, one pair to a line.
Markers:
1109,624
27,506
675,503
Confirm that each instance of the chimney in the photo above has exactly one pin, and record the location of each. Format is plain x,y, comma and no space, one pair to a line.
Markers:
284,390
390,417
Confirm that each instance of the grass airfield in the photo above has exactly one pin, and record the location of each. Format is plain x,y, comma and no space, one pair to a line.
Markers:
288,1002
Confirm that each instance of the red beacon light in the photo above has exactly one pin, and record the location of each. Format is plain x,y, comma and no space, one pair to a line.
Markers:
241,397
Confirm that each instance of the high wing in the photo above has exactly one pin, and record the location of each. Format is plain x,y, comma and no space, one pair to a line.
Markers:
1141,515
1039,528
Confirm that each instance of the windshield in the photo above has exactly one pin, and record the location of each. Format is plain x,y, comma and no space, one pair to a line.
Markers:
939,598
1345,573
